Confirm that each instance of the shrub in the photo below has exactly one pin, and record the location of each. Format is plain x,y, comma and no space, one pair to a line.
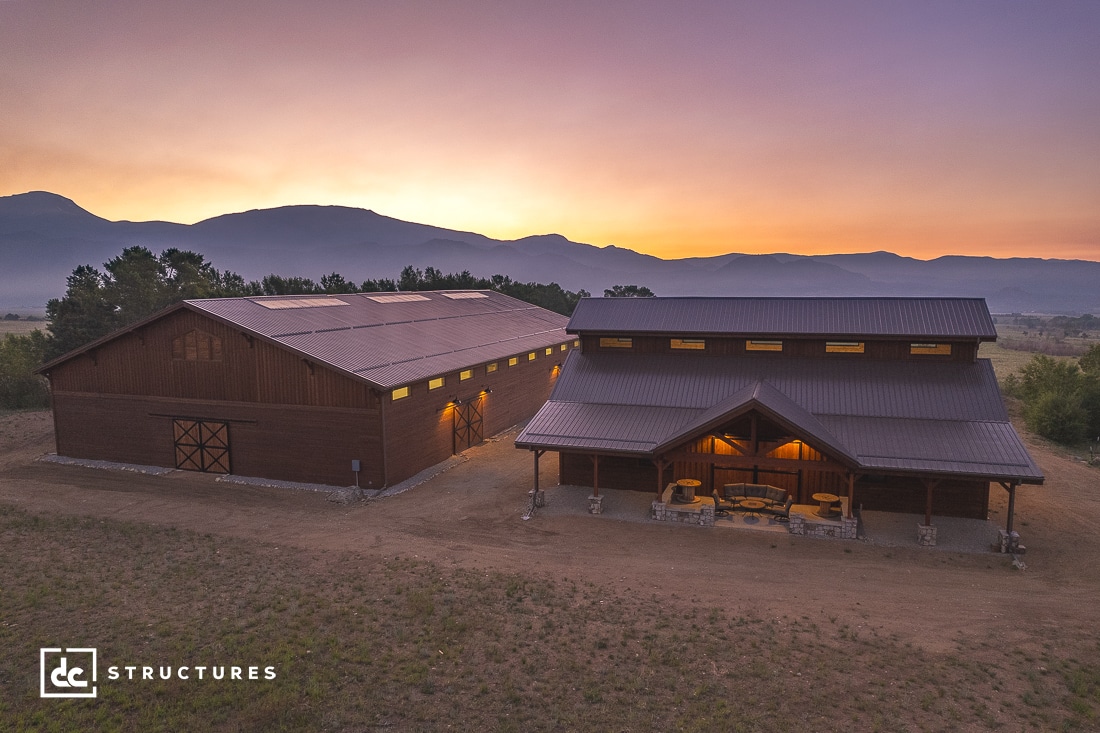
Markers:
20,387
1057,416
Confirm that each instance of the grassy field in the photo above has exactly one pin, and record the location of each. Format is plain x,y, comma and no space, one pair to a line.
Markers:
366,642
21,326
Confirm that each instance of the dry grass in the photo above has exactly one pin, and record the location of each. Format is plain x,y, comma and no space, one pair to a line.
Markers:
364,642
7,327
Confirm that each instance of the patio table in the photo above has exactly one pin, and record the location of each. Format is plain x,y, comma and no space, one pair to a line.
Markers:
825,503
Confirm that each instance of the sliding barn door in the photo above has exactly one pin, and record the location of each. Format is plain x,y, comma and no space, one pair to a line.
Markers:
202,445
468,425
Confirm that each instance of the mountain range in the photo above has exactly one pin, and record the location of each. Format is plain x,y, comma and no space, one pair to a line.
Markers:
43,236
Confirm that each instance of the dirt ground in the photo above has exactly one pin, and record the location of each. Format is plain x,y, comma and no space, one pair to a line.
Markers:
470,516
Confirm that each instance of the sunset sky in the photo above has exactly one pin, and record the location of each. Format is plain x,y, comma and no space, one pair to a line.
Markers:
676,128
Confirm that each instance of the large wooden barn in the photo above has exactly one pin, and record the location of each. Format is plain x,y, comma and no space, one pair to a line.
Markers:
879,400
333,389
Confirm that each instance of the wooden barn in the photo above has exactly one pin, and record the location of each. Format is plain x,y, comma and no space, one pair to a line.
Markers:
334,389
882,401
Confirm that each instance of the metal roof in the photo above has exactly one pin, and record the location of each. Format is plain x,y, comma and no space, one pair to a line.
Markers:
391,341
385,343
945,418
911,318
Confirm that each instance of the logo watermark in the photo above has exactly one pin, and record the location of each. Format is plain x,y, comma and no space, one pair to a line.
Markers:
73,672
68,672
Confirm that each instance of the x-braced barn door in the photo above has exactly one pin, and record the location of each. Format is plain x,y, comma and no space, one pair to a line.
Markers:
467,424
202,445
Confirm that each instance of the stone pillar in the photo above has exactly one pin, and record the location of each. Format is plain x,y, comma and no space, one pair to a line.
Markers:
796,524
926,535
538,498
706,515
595,504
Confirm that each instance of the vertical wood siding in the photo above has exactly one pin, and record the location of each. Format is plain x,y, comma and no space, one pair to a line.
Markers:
419,428
286,442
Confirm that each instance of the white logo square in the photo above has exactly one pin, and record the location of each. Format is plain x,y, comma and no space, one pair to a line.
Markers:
69,672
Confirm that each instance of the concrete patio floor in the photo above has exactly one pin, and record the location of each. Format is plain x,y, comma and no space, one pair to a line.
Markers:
886,529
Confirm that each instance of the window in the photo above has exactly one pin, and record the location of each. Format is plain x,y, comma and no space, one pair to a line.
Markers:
465,374
398,298
490,368
843,347
283,303
577,344
930,349
400,393
763,345
435,383
695,344
549,350
564,347
197,346
513,360
616,342
531,356
466,295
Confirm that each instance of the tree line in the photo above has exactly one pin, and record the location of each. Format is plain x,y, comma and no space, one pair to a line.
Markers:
138,283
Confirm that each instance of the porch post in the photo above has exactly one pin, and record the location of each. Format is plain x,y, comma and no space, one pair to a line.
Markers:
851,492
537,454
1011,505
928,503
596,475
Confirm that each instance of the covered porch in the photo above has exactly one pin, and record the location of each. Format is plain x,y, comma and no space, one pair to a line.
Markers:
886,529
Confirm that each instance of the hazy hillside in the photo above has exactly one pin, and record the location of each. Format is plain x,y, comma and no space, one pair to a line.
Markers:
43,236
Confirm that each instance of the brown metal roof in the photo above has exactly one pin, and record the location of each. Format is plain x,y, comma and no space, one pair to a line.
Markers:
389,343
945,418
395,341
911,318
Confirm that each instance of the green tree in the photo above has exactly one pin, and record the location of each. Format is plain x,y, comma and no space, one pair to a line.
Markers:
335,284
628,291
1089,362
1043,374
133,285
20,387
279,285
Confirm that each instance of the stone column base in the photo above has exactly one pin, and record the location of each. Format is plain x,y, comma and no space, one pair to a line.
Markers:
926,535
595,505
539,498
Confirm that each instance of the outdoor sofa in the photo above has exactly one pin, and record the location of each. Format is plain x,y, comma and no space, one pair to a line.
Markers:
776,501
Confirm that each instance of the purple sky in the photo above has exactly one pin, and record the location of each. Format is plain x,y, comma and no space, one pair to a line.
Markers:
677,128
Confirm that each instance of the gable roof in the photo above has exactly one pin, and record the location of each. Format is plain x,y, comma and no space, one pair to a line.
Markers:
767,400
943,418
384,339
911,318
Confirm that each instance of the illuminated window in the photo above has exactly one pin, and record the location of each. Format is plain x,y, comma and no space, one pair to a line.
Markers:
577,344
564,347
197,346
465,374
616,342
843,347
435,383
931,349
400,393
490,368
531,356
512,361
695,344
549,350
763,346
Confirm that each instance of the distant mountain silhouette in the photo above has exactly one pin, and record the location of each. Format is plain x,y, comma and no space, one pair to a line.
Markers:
44,236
